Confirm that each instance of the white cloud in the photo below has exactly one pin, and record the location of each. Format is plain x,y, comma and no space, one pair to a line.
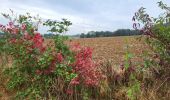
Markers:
86,15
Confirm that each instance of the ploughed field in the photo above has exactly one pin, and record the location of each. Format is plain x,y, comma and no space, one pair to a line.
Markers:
114,48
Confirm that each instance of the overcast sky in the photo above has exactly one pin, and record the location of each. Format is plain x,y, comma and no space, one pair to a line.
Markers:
86,15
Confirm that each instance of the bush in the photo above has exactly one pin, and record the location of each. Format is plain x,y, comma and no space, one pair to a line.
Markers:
157,35
157,31
42,72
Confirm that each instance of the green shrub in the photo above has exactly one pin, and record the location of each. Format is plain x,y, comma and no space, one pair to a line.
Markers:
39,71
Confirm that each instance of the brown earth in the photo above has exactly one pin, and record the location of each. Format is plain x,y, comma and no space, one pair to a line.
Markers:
114,48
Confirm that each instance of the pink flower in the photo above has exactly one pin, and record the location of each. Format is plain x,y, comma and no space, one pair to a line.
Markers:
11,24
42,49
86,68
75,47
75,81
15,31
60,57
27,36
38,42
23,27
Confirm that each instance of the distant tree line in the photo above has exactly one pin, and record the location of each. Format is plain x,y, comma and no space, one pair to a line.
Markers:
119,32
93,34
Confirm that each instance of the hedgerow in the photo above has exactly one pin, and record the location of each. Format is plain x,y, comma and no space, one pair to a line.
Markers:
36,68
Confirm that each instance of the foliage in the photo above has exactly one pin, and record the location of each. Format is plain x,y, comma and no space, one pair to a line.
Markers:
157,31
157,35
36,67
130,76
88,74
56,26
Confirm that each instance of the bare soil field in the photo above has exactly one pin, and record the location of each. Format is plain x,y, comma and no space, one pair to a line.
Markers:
114,48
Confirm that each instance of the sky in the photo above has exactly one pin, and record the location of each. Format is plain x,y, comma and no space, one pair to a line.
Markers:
86,15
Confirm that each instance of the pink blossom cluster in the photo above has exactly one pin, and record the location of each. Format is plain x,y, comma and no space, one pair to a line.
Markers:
9,28
85,67
38,42
34,37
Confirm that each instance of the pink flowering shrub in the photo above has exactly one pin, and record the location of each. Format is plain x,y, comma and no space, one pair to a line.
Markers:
36,67
85,67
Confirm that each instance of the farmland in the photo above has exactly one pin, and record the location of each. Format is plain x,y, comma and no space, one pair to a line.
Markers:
113,48
105,49
92,67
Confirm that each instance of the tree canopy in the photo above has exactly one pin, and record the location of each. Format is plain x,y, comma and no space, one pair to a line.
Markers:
119,32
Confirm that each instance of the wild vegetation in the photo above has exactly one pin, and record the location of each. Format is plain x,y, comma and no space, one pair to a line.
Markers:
34,69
